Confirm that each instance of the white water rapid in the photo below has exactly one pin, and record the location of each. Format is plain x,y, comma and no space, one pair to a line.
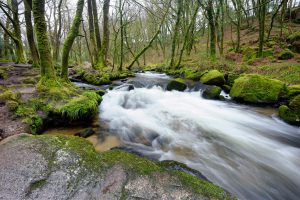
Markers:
252,155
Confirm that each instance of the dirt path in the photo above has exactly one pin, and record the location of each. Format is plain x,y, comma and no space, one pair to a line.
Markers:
20,78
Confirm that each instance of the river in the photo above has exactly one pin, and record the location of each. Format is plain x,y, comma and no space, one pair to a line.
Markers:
246,150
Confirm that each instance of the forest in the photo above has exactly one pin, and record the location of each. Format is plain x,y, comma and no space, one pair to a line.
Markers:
149,99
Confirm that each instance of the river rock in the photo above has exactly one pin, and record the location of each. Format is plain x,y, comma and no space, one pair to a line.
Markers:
176,84
85,133
213,77
67,167
212,92
253,88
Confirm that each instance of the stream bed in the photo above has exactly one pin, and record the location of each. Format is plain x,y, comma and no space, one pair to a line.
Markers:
247,150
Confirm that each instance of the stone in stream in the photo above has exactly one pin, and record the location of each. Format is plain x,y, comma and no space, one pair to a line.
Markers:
85,133
212,92
68,167
176,84
213,77
253,88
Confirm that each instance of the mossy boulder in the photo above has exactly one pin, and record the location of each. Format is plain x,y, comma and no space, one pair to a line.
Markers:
68,167
285,54
213,77
253,88
212,92
294,41
293,91
226,88
230,78
295,105
288,115
176,84
12,105
193,74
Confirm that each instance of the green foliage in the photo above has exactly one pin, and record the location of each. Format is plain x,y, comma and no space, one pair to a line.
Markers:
285,54
213,77
193,74
293,90
253,88
249,53
176,84
29,80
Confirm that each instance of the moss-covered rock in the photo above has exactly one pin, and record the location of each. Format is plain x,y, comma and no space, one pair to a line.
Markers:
230,78
293,91
193,74
12,105
3,74
176,84
100,92
285,54
295,105
7,95
289,115
253,88
67,167
212,92
213,77
226,88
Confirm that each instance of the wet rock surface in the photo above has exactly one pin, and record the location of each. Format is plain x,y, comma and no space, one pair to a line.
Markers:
62,167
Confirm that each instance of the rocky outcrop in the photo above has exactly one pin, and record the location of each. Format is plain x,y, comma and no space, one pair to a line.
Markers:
253,88
65,167
291,113
213,77
176,84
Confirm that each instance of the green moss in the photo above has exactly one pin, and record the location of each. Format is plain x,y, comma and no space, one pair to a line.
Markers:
293,90
295,104
100,92
177,84
37,184
213,77
226,88
9,95
253,88
84,106
29,80
285,54
3,74
193,74
288,115
268,53
202,187
294,37
212,92
12,105
249,53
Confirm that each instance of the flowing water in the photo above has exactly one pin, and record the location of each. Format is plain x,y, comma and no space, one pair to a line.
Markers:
246,150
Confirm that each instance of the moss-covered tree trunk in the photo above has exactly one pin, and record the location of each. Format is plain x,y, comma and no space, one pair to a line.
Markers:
105,41
17,31
212,28
175,33
47,68
73,33
30,34
92,33
261,21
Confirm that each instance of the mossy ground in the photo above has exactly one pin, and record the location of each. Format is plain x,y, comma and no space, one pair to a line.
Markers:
60,99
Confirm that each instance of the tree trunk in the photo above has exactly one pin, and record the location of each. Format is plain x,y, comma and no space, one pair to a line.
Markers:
121,35
92,33
176,33
47,68
96,26
30,34
72,34
211,21
17,32
261,19
105,44
58,33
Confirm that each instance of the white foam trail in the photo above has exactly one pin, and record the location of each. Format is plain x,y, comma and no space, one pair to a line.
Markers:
245,152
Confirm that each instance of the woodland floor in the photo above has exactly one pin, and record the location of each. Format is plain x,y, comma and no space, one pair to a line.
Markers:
10,125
